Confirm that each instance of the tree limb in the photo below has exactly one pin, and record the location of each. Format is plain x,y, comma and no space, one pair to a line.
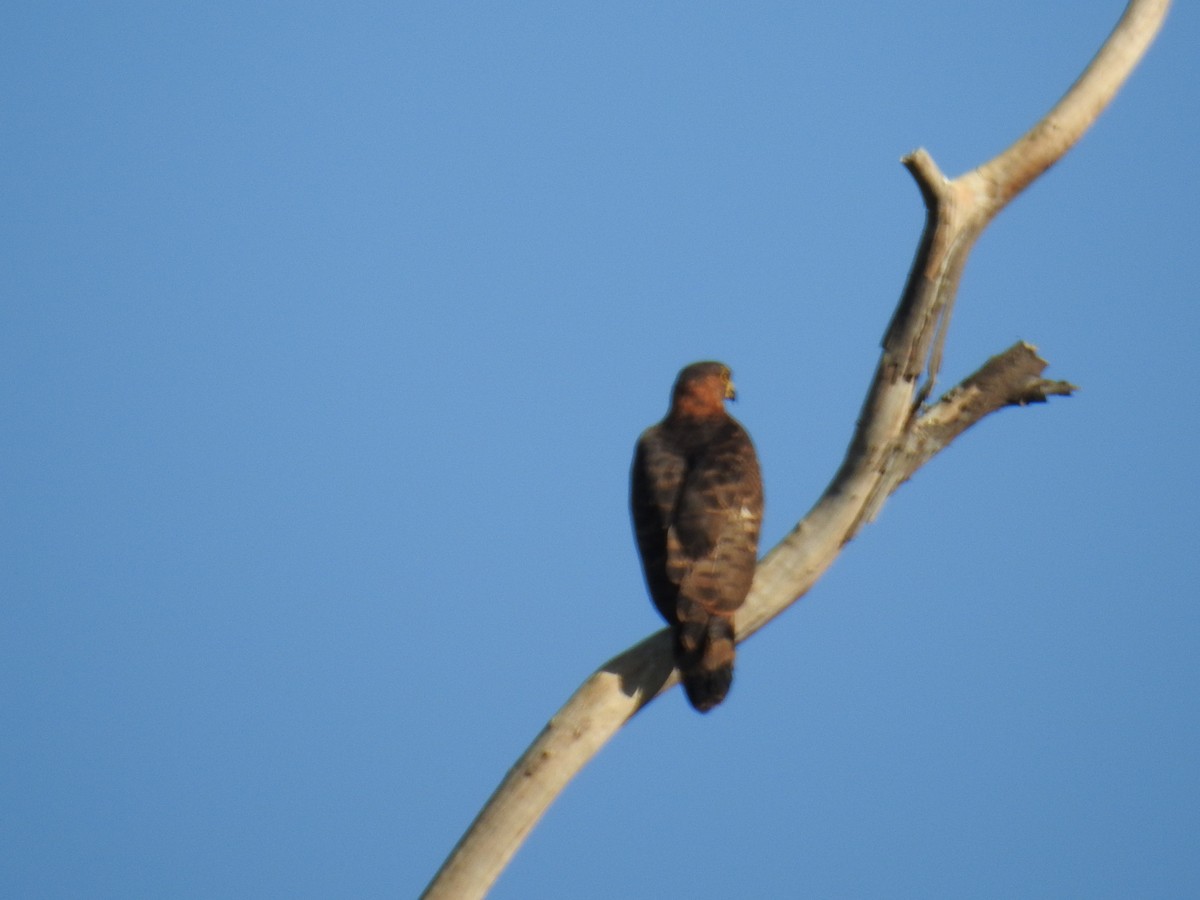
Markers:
895,435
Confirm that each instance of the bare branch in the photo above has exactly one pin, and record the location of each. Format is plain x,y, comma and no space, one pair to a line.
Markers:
1011,378
894,436
1045,143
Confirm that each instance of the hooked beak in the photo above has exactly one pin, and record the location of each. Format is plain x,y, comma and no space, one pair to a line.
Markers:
730,391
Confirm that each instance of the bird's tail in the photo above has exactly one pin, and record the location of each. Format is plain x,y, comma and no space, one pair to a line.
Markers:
704,654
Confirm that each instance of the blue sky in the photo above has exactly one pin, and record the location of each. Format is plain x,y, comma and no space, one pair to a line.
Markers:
326,334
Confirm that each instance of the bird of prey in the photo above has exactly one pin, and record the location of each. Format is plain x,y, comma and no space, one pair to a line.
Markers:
697,503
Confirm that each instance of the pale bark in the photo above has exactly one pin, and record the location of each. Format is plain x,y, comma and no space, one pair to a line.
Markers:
895,435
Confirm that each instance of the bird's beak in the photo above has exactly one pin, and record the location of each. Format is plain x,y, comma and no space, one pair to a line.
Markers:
730,391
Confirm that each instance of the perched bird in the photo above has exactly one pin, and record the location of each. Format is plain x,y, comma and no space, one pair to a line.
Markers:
697,502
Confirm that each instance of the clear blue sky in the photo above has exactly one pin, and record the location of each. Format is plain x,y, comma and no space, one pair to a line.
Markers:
326,331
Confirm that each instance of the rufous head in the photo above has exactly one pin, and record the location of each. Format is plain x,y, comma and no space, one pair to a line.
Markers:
701,389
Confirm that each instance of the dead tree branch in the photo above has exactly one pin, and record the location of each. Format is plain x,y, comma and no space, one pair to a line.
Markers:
896,434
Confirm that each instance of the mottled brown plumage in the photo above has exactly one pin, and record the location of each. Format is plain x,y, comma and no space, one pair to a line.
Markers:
697,503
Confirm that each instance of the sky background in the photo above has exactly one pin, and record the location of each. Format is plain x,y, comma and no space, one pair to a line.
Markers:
326,332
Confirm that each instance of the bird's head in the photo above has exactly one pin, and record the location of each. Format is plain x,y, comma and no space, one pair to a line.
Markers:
702,388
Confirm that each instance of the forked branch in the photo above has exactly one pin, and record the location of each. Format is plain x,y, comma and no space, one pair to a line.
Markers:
896,434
